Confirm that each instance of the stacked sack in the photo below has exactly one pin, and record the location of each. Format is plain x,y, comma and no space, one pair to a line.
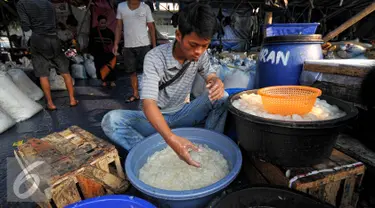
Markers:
83,66
17,97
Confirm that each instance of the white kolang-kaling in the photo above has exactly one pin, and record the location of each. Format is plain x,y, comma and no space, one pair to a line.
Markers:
5,121
165,170
14,101
25,84
252,104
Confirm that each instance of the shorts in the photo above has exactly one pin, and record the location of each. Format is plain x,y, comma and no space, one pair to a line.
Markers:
46,53
134,57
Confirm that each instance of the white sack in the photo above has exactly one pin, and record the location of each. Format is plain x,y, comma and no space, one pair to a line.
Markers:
25,84
239,79
15,102
56,81
78,59
90,66
5,121
79,71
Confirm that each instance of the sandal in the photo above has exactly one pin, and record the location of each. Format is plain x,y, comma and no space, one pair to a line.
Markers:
132,99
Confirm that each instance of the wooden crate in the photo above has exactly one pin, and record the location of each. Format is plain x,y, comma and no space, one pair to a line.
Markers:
337,180
77,165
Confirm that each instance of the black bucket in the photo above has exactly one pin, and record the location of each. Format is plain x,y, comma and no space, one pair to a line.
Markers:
288,143
268,197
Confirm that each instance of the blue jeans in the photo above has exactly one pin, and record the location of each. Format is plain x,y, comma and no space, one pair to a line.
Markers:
127,127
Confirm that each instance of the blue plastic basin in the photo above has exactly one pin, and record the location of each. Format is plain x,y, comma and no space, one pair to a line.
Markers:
291,29
122,201
137,157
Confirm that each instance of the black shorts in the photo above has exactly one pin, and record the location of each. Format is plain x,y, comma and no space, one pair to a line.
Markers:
134,57
46,53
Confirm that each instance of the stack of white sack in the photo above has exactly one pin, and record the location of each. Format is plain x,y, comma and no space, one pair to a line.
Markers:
14,102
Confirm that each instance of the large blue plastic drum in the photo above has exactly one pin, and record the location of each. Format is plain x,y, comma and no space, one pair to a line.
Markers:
281,58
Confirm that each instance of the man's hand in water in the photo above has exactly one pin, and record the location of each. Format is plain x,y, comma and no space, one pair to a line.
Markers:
215,88
182,146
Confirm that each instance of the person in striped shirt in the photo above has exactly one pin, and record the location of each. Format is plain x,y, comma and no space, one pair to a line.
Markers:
165,107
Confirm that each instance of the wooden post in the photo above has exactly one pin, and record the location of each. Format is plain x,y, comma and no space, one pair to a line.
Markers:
267,21
350,22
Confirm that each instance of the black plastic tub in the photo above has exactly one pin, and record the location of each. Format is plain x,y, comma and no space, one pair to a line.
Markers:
288,143
267,197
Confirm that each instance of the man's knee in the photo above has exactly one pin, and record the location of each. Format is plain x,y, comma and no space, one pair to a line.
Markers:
111,120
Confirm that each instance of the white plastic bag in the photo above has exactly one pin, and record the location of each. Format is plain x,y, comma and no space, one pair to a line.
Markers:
57,81
79,71
90,66
5,121
15,102
78,59
238,79
25,84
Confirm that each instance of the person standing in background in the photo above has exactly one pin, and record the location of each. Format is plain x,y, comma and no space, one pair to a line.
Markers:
39,17
134,18
101,43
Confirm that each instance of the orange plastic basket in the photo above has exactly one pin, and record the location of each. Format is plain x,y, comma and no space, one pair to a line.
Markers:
289,100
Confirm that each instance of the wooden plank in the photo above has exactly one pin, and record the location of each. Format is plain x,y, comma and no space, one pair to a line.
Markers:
335,176
109,181
120,170
65,193
305,180
90,188
91,138
330,192
354,19
346,200
64,166
340,69
254,176
60,143
271,173
103,165
355,149
317,192
341,158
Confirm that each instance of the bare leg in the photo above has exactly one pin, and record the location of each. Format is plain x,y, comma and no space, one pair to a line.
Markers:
69,85
134,82
44,82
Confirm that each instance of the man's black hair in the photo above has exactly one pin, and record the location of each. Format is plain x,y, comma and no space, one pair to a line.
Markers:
100,17
198,18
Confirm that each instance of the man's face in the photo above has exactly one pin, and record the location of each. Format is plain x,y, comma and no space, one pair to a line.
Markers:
192,45
102,23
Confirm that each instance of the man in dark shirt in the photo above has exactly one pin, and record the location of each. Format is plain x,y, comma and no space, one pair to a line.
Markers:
39,17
